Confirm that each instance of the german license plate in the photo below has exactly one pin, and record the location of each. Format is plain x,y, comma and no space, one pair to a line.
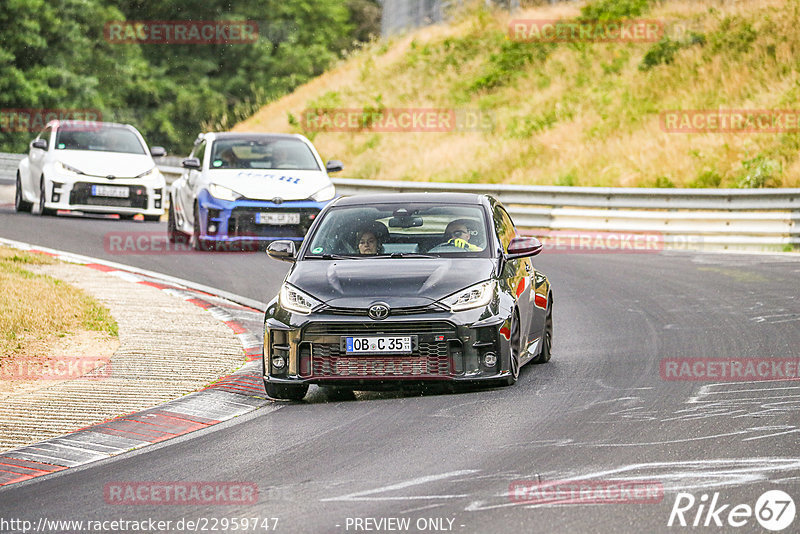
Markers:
277,218
378,345
109,191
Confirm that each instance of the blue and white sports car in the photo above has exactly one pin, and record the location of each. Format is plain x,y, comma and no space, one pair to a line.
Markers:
245,188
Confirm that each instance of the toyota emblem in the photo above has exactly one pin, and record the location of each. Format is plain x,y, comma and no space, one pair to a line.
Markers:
379,311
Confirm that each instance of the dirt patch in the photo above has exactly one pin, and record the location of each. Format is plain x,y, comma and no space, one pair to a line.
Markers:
84,355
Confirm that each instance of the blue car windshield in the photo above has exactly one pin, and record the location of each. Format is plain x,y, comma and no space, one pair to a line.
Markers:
262,153
402,229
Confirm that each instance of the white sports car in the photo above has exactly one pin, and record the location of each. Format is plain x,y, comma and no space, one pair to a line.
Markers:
91,167
248,188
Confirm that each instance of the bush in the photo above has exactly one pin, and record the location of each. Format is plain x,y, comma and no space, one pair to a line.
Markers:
735,35
509,62
761,171
614,9
663,182
662,52
706,179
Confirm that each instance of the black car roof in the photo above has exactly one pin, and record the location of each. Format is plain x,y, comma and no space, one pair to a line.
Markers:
443,198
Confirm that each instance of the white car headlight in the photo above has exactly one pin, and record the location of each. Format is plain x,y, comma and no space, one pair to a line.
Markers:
223,193
326,193
149,174
471,297
67,168
295,300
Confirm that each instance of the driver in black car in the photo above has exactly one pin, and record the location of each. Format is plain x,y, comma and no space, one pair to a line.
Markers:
458,235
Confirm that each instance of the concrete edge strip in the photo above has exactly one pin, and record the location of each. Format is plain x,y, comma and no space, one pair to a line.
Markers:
230,396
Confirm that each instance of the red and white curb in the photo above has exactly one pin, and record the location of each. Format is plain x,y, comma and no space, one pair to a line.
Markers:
231,396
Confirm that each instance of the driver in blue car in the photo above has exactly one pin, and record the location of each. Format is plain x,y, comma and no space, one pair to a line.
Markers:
458,235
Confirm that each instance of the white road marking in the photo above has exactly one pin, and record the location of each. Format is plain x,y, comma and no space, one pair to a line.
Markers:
363,495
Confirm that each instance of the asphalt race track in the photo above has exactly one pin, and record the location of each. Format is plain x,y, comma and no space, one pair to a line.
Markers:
600,410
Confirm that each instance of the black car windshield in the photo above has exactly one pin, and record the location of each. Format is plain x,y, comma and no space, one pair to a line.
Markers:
262,153
412,230
101,138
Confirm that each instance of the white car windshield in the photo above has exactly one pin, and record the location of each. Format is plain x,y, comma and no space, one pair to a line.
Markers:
402,229
99,138
262,153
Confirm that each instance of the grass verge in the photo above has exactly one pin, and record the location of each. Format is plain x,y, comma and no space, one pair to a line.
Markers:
581,113
36,308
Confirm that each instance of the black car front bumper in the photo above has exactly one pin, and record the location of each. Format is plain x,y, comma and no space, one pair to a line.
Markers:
450,348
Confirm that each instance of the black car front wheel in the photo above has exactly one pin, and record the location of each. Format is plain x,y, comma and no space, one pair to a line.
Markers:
288,392
547,337
514,348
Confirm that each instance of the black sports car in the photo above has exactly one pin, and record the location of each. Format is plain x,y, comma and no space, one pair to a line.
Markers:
422,287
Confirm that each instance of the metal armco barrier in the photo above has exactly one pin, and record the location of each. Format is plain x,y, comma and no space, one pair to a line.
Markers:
759,219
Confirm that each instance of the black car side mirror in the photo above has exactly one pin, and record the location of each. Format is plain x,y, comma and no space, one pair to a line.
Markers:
283,250
191,163
334,165
39,143
523,247
158,151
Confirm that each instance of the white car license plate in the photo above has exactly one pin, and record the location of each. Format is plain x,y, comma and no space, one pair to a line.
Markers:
109,191
277,218
379,345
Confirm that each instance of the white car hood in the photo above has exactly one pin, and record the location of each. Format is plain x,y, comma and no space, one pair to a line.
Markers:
97,163
267,184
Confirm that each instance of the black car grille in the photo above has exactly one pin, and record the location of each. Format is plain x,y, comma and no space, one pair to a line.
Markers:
242,223
82,194
430,357
431,360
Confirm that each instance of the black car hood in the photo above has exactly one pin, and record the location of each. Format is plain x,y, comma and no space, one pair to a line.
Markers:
399,282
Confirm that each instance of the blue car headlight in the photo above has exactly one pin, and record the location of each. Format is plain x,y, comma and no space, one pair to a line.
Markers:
223,193
324,194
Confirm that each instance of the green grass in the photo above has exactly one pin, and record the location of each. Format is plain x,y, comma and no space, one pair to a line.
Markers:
37,307
583,114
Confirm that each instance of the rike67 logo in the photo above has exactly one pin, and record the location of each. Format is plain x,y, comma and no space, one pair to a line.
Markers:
774,510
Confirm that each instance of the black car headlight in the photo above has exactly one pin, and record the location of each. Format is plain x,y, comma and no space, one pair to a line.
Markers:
472,297
297,301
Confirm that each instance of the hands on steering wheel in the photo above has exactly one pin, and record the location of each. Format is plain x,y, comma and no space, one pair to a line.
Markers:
462,243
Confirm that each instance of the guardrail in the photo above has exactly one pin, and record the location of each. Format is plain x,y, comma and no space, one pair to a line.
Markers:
762,219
